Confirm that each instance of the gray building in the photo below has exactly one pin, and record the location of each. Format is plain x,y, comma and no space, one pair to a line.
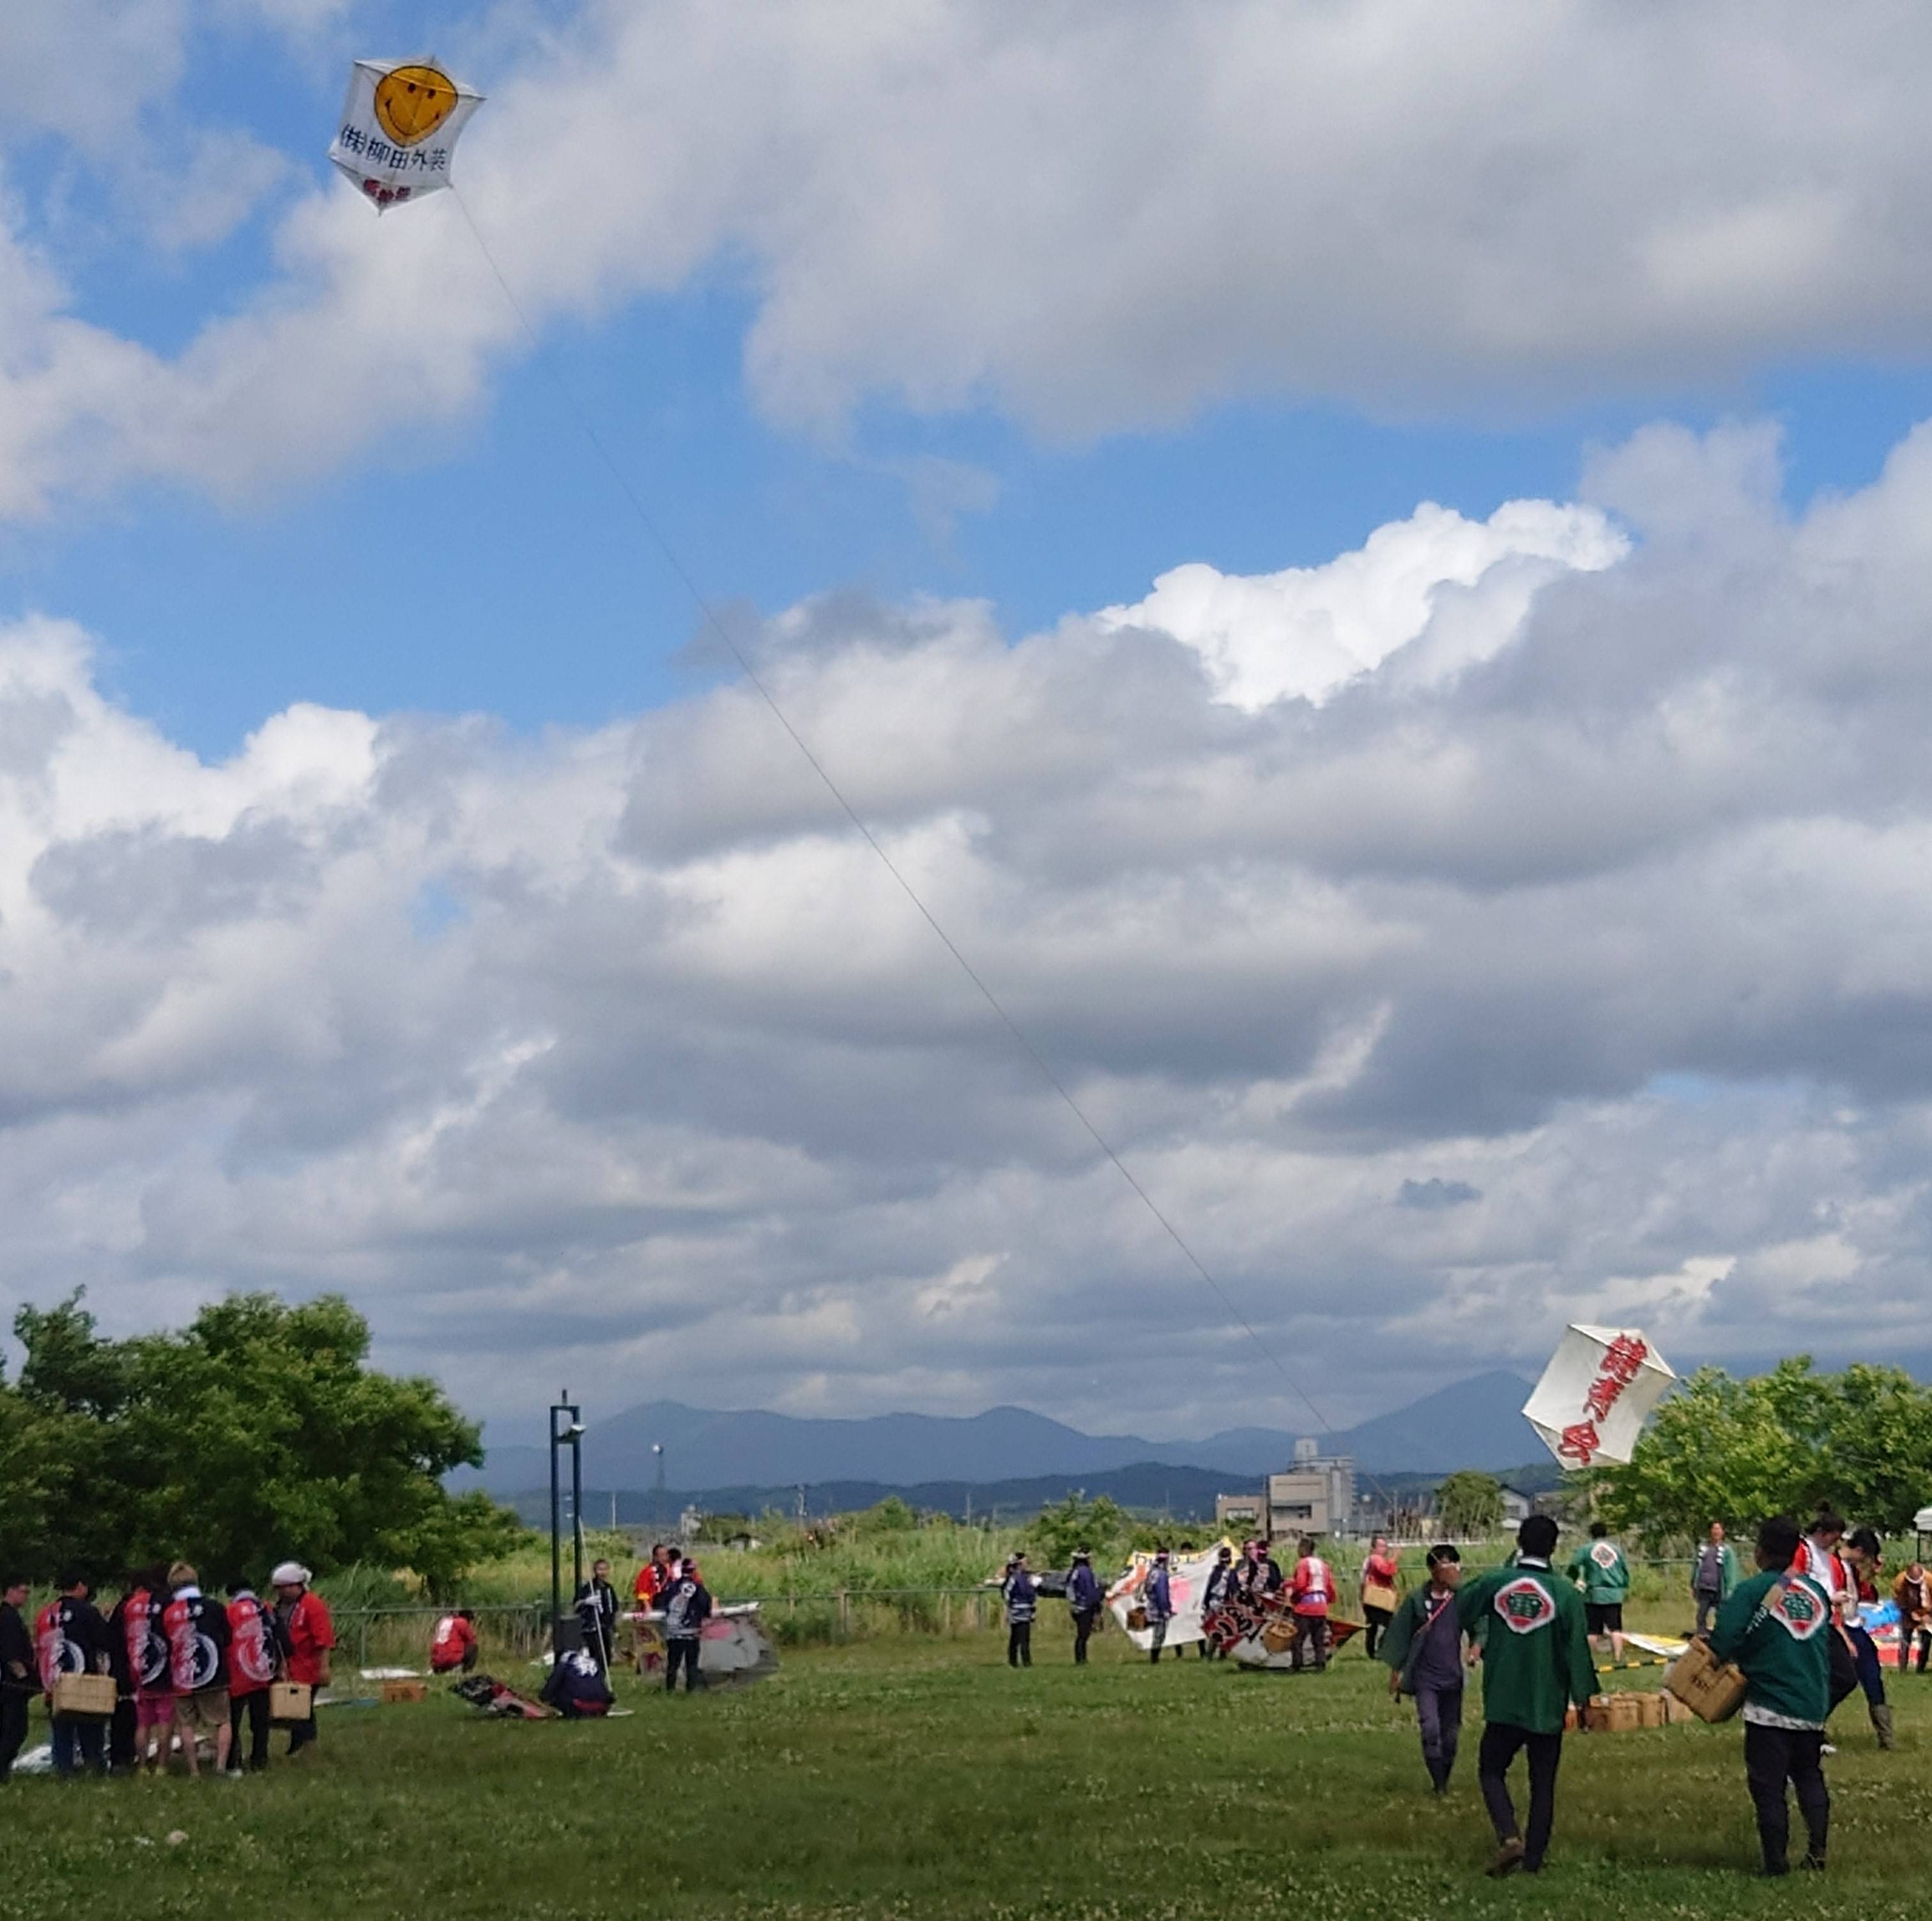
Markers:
1316,1496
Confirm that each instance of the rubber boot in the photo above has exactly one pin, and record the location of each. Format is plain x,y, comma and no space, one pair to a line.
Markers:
1881,1721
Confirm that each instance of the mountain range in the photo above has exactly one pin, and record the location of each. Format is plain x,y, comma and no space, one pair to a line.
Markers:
1473,1423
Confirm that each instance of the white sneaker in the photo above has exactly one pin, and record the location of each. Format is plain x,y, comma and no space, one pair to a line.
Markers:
1825,1747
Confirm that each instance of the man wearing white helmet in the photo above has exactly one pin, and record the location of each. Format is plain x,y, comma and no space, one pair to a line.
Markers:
309,1635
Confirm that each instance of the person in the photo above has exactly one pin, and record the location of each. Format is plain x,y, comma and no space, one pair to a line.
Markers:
123,1731
308,1638
1260,1575
1778,1627
453,1647
1017,1590
1865,1557
71,1638
1218,1591
1423,1648
1157,1601
255,1655
1536,1660
1912,1593
196,1626
16,1670
1821,1563
577,1686
1599,1565
597,1610
1084,1601
686,1608
1381,1583
1311,1588
1713,1574
645,1590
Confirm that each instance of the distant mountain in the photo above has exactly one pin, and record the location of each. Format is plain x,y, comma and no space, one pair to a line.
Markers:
1474,1423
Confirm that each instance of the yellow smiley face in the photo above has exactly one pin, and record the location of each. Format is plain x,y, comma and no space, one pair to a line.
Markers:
413,102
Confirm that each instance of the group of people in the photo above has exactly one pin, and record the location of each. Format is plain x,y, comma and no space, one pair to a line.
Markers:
1792,1628
187,1665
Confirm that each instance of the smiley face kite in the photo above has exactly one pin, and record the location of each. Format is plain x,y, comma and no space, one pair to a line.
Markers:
399,126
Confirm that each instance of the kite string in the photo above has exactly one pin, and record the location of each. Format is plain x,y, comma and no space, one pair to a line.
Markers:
715,621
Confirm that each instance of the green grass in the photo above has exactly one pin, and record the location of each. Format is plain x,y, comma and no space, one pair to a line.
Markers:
914,1776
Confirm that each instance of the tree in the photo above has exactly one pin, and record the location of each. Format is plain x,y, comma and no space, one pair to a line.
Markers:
257,1433
1786,1442
1469,1503
1054,1533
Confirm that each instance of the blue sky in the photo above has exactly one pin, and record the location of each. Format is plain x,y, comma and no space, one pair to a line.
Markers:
1565,861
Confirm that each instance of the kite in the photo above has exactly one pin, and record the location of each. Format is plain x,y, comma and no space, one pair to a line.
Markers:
399,126
1596,1394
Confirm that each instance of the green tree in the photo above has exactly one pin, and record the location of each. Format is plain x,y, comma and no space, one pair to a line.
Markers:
1469,1503
1053,1534
1788,1441
257,1432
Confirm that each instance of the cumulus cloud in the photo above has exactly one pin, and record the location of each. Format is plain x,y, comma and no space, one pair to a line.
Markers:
1089,217
1585,980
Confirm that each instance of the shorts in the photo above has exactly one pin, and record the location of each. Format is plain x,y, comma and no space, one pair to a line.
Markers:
206,1709
154,1710
1604,1617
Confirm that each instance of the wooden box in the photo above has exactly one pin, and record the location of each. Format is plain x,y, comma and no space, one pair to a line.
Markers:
1713,1690
1597,1714
1624,1712
84,1697
291,1702
1675,1712
401,1690
1650,1711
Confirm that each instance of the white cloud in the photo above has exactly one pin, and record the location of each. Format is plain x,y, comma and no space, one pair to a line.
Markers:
1434,1012
1089,217
1308,630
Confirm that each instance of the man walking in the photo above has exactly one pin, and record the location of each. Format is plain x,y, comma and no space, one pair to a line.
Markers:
1778,1627
16,1670
1157,1601
1864,1557
1084,1601
1423,1648
1022,1600
1536,1662
1599,1564
1713,1574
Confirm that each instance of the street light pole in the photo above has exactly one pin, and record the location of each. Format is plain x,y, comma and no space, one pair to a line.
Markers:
568,1434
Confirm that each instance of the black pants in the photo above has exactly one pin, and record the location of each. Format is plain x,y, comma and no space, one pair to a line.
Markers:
1501,1743
1909,1638
1083,1632
1158,1630
1772,1756
1439,1712
13,1726
1312,1644
1019,1643
301,1734
1378,1619
1707,1605
254,1709
120,1749
80,1747
681,1648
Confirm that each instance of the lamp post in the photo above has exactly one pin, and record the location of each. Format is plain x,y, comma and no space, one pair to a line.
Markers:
567,1433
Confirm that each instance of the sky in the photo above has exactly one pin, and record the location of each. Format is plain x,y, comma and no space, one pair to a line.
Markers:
1359,564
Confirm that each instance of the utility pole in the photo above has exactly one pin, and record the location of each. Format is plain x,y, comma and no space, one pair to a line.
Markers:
658,1498
569,1434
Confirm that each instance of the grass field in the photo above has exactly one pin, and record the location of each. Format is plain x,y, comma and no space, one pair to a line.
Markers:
911,1776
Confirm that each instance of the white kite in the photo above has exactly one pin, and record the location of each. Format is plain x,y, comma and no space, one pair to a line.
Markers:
399,126
1596,1394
